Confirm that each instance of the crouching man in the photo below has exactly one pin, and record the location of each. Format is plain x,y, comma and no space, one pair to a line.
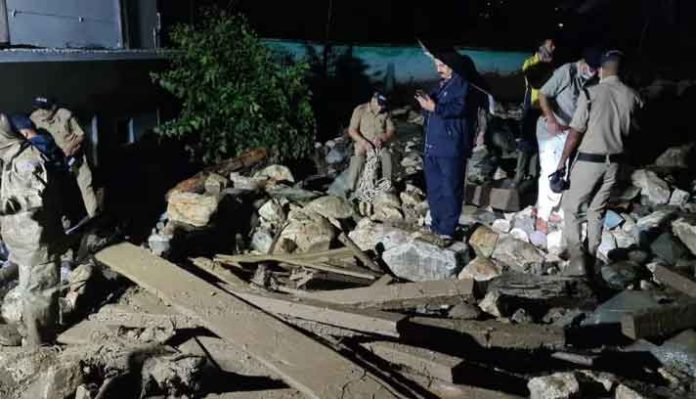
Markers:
32,232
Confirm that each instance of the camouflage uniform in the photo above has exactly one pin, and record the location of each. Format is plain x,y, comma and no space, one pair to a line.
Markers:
31,230
69,136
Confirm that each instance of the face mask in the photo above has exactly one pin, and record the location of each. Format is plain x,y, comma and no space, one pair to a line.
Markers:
586,74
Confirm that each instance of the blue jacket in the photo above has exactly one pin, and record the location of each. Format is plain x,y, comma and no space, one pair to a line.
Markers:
47,146
447,133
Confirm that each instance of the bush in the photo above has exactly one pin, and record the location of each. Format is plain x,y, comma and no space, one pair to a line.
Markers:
234,93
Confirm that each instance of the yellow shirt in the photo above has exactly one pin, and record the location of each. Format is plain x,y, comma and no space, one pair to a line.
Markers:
533,60
369,123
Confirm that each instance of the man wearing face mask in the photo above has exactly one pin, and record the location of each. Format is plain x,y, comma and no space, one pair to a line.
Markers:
558,99
598,131
448,143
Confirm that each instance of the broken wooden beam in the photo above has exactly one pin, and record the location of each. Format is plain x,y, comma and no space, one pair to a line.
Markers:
447,390
487,334
196,184
399,296
364,320
660,321
359,254
423,361
301,362
339,253
676,280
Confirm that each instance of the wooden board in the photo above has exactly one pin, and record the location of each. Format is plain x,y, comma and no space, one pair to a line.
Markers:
301,362
660,321
493,334
399,296
423,361
364,320
676,280
119,315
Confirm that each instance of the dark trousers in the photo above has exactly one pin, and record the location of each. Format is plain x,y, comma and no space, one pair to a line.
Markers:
444,178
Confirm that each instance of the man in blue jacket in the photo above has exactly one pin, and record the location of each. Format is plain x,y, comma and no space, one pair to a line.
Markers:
448,143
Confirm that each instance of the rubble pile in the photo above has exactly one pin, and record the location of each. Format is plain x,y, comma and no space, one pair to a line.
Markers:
255,279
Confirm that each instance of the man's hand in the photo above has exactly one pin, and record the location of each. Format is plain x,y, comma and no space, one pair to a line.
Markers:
366,145
553,125
426,102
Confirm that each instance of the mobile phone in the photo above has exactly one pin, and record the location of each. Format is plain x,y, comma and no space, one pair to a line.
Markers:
420,93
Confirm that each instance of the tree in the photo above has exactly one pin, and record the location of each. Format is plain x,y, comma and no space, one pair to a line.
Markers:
235,93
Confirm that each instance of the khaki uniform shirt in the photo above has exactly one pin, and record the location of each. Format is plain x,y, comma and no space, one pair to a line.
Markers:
62,125
605,117
564,88
369,123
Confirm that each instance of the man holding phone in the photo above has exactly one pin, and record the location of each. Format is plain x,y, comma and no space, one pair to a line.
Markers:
371,128
448,143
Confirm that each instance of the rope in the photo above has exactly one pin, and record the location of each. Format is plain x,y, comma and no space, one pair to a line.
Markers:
369,183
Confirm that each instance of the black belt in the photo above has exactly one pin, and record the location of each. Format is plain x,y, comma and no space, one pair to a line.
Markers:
600,158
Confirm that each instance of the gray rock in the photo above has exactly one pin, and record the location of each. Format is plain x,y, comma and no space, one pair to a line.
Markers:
190,208
177,375
621,275
276,173
417,260
519,234
159,243
668,248
521,317
639,256
554,386
308,232
502,226
655,189
624,239
655,220
464,311
386,207
483,241
215,184
611,311
675,157
272,213
331,207
685,229
679,198
60,381
481,269
261,241
294,194
516,254
336,155
369,235
526,224
340,185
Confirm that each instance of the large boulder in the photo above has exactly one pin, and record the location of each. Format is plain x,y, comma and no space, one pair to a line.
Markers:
655,220
668,248
331,207
554,386
679,198
386,207
675,157
418,260
481,269
621,275
306,232
685,229
369,235
191,208
516,254
483,241
655,189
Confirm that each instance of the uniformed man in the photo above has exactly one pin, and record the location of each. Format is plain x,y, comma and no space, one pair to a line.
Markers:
448,143
70,137
598,131
32,232
371,128
558,99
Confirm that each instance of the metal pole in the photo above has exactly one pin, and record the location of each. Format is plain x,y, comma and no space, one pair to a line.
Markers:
4,24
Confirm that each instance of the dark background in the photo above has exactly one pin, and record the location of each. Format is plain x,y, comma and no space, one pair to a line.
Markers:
659,32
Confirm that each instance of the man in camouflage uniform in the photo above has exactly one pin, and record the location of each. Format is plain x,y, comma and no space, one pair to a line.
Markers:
70,137
31,230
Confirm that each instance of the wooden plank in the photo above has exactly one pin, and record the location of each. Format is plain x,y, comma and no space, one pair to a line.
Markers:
119,315
675,280
301,362
339,253
490,333
86,332
399,296
659,322
447,390
358,253
423,361
365,320
383,281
